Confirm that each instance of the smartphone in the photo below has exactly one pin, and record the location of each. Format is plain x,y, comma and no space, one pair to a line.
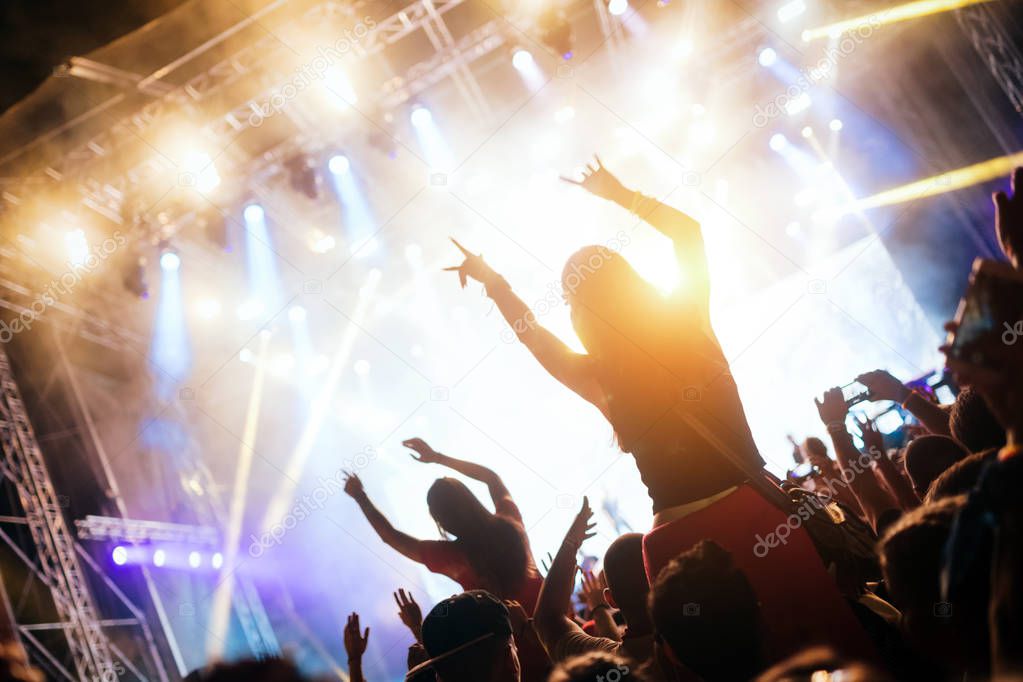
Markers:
991,310
855,393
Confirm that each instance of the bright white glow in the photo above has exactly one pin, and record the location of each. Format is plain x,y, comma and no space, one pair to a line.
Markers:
805,197
522,59
194,559
170,261
791,10
361,367
618,7
202,171
767,57
159,558
778,142
698,110
254,213
283,363
217,561
321,242
250,309
340,87
207,308
798,104
77,246
564,114
421,117
339,164
296,313
246,355
119,555
836,124
682,49
807,132
792,229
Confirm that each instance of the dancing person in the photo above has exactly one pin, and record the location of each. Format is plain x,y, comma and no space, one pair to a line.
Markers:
654,368
490,550
561,636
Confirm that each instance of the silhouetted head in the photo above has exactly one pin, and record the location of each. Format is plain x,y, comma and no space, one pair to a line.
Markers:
707,615
960,478
927,457
816,451
594,666
973,424
455,509
469,638
606,297
627,583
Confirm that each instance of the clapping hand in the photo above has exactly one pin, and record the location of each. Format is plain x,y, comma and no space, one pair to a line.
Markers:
599,181
473,267
427,455
355,643
1009,219
409,612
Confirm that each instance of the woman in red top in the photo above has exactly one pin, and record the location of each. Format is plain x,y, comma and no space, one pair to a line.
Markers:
489,551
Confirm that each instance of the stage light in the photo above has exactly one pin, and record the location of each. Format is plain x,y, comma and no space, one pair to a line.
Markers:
119,555
618,7
170,261
421,117
339,164
194,559
253,213
798,104
778,142
203,173
207,308
217,561
246,355
767,57
522,59
77,246
337,83
881,17
836,124
361,368
791,10
682,49
296,313
807,132
159,558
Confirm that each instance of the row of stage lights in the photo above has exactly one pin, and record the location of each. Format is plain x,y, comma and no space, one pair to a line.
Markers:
123,555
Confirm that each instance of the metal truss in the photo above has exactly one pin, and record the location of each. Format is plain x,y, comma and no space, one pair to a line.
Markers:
995,47
22,463
110,528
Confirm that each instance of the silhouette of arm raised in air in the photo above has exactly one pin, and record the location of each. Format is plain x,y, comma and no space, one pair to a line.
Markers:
427,455
402,542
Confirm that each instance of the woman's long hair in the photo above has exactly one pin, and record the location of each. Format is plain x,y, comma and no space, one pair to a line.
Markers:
645,356
494,546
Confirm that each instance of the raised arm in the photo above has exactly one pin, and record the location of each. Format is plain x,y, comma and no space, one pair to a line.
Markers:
681,228
427,455
873,499
549,618
570,368
402,542
884,386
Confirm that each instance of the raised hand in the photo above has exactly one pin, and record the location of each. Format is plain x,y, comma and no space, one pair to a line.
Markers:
592,591
883,386
833,408
355,643
353,485
409,612
427,455
599,181
581,528
473,267
1009,219
873,440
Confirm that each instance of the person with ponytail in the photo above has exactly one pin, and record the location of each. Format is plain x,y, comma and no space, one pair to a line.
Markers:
482,550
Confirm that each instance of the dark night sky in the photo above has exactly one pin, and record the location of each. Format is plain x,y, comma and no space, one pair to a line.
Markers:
38,35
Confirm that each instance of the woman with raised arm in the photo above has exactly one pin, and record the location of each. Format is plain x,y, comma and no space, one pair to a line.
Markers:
487,551
655,370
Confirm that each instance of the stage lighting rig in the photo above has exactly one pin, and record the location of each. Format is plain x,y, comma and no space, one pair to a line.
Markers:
555,31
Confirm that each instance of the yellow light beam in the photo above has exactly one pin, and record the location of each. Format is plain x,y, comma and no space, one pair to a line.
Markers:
892,15
278,506
220,612
939,184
